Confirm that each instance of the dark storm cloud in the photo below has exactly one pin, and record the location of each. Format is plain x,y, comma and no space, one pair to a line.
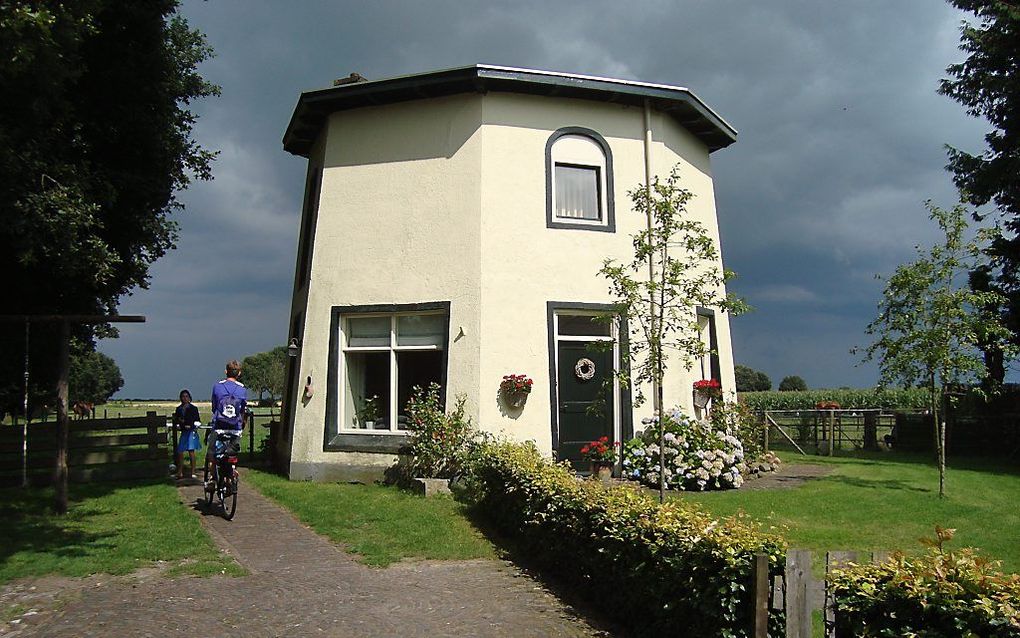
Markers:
841,139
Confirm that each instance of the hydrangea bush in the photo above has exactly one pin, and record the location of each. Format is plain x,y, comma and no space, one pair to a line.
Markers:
698,455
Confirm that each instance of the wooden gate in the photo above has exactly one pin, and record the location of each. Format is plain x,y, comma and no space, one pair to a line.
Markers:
98,449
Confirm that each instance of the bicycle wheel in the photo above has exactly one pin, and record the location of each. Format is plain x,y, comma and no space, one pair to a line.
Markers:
230,504
206,487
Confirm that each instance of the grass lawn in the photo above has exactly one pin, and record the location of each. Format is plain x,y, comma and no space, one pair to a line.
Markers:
380,524
884,501
110,528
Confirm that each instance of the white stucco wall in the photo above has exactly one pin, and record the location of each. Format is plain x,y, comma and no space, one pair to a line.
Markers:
398,223
444,200
525,264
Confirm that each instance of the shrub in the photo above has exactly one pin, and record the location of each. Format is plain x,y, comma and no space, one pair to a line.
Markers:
939,594
888,399
698,456
792,383
439,441
655,567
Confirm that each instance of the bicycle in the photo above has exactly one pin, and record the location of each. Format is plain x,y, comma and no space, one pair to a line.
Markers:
224,480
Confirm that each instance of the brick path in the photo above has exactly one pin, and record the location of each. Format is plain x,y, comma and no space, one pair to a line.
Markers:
300,584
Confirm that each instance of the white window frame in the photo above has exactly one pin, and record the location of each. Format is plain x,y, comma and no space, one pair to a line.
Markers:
393,349
567,151
614,333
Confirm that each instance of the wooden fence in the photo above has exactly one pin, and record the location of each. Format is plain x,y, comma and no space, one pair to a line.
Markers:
797,594
825,431
98,449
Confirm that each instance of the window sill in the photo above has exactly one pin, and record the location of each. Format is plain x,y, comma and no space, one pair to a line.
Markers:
377,443
604,228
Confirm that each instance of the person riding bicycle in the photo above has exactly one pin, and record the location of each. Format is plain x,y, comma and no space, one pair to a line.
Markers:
229,406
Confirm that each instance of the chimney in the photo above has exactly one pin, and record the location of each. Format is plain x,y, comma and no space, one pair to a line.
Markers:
350,79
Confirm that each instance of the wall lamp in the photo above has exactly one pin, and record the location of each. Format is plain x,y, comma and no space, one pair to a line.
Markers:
293,349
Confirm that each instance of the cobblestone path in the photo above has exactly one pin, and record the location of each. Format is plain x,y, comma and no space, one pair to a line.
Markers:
300,584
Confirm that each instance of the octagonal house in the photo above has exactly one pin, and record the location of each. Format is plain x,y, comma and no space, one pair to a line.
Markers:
453,228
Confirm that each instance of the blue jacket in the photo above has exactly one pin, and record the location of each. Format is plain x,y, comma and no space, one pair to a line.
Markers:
229,401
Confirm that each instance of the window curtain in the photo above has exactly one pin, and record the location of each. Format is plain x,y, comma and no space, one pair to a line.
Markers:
577,192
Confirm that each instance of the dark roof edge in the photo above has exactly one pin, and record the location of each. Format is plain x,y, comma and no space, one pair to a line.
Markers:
688,108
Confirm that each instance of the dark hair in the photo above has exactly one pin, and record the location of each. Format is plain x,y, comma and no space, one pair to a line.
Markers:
233,368
183,392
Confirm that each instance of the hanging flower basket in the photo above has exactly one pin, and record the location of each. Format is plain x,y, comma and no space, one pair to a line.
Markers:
515,389
705,391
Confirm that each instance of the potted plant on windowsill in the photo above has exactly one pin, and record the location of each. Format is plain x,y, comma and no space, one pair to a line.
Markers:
369,412
602,456
515,389
705,391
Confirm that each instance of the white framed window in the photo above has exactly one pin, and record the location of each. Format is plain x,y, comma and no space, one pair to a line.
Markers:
579,181
383,356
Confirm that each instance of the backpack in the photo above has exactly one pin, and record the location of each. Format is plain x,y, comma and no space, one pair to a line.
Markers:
231,410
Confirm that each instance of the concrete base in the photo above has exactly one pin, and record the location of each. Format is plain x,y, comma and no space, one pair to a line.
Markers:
431,486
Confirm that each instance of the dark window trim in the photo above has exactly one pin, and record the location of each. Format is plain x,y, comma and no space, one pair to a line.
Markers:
626,409
713,342
551,221
333,439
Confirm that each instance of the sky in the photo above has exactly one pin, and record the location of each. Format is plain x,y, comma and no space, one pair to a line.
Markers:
841,140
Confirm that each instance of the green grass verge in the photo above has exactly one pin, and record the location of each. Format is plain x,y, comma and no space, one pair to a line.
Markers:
883,501
111,528
381,525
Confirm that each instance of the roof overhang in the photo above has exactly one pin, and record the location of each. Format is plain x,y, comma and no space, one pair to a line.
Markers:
687,109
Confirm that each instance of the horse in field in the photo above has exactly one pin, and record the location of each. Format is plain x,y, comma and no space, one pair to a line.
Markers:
82,409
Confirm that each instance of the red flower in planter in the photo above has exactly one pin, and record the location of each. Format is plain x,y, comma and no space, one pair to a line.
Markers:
600,450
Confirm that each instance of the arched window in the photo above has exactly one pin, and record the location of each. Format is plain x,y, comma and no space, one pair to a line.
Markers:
579,181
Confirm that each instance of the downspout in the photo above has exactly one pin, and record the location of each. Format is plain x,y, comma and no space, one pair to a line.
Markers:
648,219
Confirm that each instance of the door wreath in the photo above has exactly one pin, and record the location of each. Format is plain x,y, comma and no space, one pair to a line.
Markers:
584,369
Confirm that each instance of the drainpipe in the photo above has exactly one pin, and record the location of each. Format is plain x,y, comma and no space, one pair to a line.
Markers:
648,220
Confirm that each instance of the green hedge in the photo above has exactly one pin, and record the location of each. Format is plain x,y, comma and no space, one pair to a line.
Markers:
937,595
657,568
888,399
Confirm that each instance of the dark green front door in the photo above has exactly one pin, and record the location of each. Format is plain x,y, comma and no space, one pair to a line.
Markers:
577,423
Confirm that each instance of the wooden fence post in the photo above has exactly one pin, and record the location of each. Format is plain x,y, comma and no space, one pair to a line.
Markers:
797,603
760,596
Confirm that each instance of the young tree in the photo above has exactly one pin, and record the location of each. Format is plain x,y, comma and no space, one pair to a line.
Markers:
674,269
987,83
792,383
930,322
95,143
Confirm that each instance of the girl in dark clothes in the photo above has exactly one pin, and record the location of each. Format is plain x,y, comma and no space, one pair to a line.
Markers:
186,418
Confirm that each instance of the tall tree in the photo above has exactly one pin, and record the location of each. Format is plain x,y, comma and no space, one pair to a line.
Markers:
94,377
751,380
930,322
660,309
265,373
95,143
987,83
792,383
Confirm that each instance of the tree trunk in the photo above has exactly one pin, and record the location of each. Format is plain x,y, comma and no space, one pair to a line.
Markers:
942,449
662,432
60,472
